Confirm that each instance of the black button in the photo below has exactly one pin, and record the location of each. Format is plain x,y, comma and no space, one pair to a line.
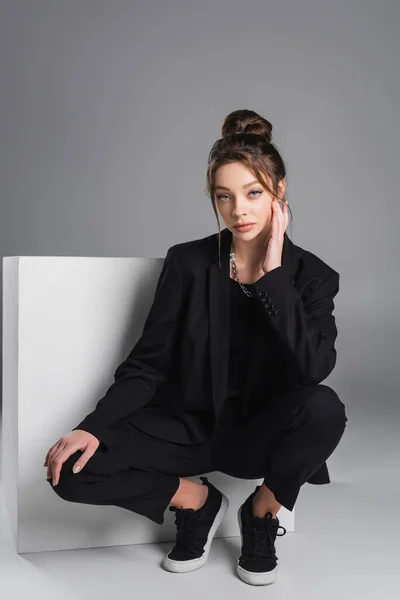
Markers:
261,294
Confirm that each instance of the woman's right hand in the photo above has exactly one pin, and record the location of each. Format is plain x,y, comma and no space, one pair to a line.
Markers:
78,439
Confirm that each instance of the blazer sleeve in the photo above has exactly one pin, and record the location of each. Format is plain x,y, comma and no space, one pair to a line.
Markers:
148,364
306,330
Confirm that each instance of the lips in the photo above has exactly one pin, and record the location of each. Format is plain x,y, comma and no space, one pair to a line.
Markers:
245,227
242,225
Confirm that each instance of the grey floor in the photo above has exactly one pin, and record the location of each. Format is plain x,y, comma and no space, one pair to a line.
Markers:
346,543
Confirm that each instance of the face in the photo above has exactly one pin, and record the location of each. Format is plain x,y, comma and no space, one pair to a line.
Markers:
240,198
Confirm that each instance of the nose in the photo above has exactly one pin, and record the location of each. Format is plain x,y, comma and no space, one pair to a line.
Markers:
238,211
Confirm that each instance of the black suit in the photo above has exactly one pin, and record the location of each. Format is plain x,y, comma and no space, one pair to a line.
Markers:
178,368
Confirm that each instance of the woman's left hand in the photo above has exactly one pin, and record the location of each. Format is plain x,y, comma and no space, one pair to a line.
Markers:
280,220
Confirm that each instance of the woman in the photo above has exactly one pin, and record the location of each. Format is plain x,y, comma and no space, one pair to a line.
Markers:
226,375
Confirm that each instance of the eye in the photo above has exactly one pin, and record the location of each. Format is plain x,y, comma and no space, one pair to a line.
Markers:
219,197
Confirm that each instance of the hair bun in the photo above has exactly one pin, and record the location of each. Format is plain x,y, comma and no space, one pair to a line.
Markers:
246,121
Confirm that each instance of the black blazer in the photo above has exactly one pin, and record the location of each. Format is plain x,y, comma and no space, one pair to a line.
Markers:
177,371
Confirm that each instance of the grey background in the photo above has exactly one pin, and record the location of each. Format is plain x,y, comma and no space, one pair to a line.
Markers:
109,110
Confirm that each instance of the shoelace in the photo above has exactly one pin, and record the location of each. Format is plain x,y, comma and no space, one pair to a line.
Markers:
259,543
186,528
186,524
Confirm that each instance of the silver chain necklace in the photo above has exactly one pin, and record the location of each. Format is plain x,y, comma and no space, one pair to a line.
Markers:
236,276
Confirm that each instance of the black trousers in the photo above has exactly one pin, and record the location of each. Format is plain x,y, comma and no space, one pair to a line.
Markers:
284,443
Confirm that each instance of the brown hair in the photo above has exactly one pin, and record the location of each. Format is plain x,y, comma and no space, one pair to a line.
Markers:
246,138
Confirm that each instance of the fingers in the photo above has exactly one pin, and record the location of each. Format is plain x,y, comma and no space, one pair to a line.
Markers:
276,219
49,455
51,449
60,454
83,459
281,216
58,462
55,452
285,216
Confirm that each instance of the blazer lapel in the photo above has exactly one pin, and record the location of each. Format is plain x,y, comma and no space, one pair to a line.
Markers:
219,319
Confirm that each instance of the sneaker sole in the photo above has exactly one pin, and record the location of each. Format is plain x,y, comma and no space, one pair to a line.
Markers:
183,566
250,577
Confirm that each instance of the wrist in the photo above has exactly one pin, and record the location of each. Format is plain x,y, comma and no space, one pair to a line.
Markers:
271,268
